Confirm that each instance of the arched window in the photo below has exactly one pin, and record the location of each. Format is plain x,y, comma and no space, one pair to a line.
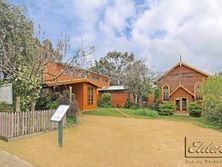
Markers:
198,91
165,93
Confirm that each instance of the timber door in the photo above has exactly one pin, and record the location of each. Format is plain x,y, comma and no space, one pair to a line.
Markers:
181,104
184,104
177,102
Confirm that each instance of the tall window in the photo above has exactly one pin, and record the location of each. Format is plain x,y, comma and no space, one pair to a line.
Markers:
198,91
165,93
90,95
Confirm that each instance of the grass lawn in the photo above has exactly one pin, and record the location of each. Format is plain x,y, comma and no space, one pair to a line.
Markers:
123,112
105,112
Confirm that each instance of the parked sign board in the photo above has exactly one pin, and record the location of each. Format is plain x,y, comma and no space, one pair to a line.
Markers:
6,93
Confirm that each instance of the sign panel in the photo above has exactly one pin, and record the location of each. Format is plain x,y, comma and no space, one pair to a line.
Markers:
6,93
60,113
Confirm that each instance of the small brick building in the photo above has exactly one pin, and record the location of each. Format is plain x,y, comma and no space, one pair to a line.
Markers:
119,95
181,84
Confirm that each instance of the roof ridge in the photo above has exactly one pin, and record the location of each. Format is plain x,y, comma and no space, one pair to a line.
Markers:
180,64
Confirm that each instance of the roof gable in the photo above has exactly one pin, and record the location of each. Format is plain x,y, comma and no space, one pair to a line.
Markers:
182,87
178,65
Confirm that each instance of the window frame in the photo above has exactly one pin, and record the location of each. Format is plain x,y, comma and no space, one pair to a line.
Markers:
197,98
163,93
90,99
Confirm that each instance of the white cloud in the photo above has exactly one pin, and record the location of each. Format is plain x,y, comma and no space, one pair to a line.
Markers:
158,29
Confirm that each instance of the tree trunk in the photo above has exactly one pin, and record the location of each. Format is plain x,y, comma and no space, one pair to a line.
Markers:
135,98
17,104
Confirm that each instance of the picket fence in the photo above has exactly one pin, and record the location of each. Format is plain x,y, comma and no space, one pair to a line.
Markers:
23,123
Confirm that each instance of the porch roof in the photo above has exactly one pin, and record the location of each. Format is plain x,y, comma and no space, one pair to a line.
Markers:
182,87
71,81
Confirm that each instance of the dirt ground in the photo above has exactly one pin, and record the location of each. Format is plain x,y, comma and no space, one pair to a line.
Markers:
100,141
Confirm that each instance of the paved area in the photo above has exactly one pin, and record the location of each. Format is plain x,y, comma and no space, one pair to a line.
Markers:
9,160
100,141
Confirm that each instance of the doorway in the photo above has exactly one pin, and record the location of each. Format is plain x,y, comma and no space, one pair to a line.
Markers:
181,104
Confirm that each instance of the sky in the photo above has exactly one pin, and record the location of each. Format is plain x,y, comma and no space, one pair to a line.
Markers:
156,30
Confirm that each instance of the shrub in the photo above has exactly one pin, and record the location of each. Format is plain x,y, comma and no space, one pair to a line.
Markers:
54,99
146,112
64,98
42,103
156,104
128,103
212,100
71,120
6,107
195,109
166,109
105,100
135,106
141,112
157,94
52,106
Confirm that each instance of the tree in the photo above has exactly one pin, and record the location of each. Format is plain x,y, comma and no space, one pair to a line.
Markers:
212,100
124,69
23,58
138,79
114,65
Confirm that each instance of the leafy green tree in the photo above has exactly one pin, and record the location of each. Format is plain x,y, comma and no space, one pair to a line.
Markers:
212,100
114,65
23,57
125,69
138,79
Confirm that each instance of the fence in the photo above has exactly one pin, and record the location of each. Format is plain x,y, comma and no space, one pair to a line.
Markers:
23,123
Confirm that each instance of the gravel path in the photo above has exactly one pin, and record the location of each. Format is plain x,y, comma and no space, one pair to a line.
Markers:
99,141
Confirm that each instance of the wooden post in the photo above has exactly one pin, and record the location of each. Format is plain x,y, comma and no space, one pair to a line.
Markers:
33,107
70,93
17,104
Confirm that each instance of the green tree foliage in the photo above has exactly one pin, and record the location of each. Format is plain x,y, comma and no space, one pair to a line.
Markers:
23,57
52,100
114,65
166,109
16,48
195,109
212,96
124,69
157,94
138,78
157,100
6,107
106,100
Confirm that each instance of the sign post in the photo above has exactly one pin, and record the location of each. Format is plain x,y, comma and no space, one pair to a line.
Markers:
58,117
60,136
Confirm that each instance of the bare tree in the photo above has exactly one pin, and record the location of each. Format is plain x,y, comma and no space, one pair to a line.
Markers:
23,57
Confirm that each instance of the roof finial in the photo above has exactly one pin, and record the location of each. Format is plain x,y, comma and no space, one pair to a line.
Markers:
180,60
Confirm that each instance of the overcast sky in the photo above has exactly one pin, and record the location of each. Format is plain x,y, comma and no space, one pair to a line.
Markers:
158,30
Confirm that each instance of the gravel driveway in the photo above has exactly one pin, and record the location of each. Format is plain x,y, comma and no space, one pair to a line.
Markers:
100,141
